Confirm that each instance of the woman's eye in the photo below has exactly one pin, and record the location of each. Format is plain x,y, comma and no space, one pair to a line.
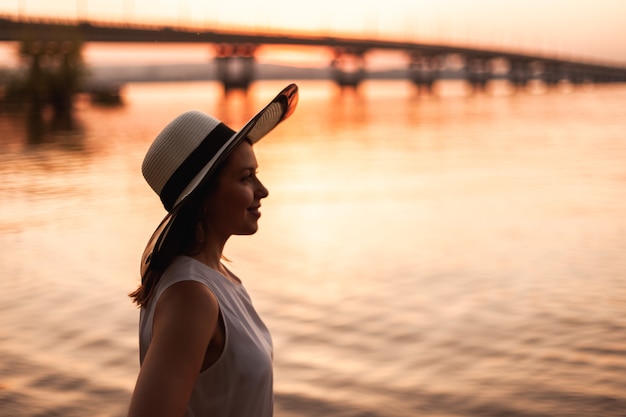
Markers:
250,177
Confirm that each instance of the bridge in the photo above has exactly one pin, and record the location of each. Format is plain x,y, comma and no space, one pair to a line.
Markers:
235,54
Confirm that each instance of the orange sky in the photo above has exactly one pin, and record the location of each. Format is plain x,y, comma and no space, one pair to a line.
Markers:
568,28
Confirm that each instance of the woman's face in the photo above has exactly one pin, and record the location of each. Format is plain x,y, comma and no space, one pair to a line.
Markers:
233,209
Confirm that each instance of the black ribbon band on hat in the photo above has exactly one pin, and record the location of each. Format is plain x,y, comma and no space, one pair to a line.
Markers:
192,165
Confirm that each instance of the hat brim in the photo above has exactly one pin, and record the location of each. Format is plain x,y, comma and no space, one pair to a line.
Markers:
277,110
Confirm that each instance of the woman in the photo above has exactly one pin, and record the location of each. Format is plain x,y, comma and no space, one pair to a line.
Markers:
204,350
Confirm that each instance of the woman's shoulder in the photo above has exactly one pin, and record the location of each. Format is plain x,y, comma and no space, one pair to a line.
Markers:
181,269
185,268
188,296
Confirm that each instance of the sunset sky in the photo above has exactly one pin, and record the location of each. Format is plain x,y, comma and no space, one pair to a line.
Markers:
567,28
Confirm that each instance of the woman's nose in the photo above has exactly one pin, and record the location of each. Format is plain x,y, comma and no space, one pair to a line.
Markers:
261,191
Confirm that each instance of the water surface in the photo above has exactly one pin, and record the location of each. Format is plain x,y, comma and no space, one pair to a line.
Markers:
445,255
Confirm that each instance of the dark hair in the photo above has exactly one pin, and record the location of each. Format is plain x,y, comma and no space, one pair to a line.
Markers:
181,239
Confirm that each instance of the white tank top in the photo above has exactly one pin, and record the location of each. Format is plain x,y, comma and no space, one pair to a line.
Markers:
240,383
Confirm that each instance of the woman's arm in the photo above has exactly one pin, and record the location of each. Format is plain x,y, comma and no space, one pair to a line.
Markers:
185,320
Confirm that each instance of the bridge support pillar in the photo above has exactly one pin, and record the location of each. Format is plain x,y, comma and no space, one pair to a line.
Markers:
235,65
552,74
520,72
348,67
576,76
424,70
478,71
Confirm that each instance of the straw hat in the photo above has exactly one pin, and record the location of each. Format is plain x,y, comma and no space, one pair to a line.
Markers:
190,148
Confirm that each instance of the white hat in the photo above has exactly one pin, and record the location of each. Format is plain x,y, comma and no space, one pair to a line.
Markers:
190,148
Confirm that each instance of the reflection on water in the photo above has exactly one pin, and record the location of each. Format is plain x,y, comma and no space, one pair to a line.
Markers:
41,127
445,255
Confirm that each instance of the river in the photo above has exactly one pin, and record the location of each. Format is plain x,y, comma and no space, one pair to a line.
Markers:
445,255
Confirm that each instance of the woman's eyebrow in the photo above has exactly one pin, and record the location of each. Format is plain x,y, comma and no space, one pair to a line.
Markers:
250,168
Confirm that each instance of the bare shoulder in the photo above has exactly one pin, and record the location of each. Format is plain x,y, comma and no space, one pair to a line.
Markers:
187,302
